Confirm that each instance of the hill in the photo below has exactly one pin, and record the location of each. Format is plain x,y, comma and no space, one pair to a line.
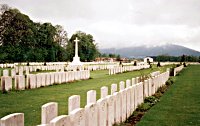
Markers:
143,51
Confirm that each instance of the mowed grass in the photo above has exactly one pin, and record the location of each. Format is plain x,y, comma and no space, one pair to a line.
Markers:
180,105
29,102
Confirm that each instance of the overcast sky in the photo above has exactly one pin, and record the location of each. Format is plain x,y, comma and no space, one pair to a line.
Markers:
121,23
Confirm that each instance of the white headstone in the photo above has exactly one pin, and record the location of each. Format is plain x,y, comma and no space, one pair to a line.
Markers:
6,83
13,73
91,96
104,91
102,112
69,76
56,77
38,80
76,75
113,88
137,80
118,108
66,77
72,75
63,80
73,103
132,98
110,109
33,82
140,93
78,117
19,82
133,81
49,111
16,69
63,120
128,83
5,72
15,119
21,70
59,77
52,78
137,91
146,88
128,102
43,79
31,68
123,105
27,70
91,112
121,85
48,79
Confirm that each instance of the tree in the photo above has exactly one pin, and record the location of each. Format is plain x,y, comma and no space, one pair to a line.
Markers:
87,48
61,36
148,61
16,35
22,40
158,65
183,58
199,59
118,57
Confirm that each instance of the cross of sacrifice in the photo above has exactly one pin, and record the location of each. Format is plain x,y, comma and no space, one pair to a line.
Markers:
76,47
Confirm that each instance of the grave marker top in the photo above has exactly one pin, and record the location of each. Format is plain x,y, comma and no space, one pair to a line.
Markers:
73,103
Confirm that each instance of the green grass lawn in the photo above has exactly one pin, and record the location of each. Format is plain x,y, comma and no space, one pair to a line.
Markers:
29,102
180,105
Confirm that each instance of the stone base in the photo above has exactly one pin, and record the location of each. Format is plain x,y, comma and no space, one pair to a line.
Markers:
76,61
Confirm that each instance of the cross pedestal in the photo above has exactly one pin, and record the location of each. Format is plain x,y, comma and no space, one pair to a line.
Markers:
76,58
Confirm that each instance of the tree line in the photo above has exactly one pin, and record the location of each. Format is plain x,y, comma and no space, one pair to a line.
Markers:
22,40
183,58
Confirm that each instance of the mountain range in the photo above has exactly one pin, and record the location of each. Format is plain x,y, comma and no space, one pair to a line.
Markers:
143,51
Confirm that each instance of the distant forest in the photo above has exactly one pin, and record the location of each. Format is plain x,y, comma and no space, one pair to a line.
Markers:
183,58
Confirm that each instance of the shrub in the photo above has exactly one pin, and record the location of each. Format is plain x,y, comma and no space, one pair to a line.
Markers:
135,63
144,107
168,83
158,65
152,100
37,70
171,80
171,72
162,89
184,64
178,65
158,95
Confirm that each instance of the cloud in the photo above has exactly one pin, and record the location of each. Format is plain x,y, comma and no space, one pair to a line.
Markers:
117,34
116,23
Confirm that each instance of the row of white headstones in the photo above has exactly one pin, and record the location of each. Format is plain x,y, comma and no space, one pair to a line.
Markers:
120,69
21,70
42,79
108,110
45,79
178,69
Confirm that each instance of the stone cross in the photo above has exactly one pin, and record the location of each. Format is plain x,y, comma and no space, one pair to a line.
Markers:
76,47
